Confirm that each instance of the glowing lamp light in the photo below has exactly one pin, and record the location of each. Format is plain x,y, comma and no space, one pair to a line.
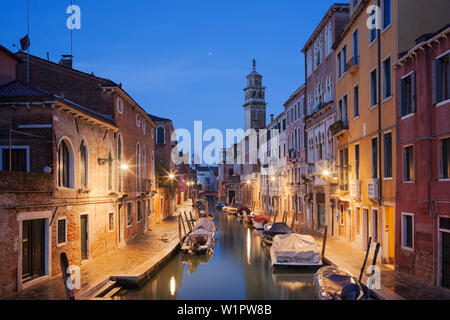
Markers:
124,167
273,178
326,173
171,176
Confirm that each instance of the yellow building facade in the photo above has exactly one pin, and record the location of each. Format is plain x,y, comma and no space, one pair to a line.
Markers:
367,109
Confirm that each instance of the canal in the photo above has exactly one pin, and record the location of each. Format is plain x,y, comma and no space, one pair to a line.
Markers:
239,269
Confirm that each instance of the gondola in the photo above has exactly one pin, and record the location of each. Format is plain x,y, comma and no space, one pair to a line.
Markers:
260,221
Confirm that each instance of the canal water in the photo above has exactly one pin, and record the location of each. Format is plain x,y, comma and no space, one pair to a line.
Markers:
239,269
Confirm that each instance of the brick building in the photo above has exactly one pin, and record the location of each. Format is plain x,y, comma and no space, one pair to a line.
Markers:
423,160
81,176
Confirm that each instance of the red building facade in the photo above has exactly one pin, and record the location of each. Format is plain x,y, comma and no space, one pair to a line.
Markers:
423,160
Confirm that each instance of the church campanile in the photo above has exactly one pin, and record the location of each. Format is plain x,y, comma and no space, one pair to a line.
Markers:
255,104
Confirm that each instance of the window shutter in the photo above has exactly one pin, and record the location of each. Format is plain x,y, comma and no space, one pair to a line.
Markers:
433,82
413,92
399,98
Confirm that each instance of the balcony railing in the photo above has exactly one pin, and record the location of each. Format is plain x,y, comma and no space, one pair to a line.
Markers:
353,65
144,185
338,127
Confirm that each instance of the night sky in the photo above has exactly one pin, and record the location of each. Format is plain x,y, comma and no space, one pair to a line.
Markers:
185,60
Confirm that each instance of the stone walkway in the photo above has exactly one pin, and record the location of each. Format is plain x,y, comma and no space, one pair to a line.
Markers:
394,284
143,252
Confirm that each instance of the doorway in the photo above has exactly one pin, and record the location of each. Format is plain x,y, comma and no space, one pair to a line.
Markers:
444,226
33,249
231,196
84,236
365,228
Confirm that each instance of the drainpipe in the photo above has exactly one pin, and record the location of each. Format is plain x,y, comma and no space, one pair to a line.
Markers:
380,188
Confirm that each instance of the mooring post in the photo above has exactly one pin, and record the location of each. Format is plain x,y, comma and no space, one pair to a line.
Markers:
365,259
312,227
187,221
275,219
182,222
179,229
324,242
192,219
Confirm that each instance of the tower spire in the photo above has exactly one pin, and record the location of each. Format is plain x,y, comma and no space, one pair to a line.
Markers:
254,65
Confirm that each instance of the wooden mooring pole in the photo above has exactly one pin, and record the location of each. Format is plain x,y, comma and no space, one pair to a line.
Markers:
182,222
324,242
187,221
179,229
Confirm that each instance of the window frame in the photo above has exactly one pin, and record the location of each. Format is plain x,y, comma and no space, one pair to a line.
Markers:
27,149
373,92
129,214
384,156
114,222
441,160
383,64
356,89
61,244
403,214
404,164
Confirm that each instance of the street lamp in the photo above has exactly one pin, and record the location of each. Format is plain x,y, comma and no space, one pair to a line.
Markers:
326,173
273,178
124,167
171,176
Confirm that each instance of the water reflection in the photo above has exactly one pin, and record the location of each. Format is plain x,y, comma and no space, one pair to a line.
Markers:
239,269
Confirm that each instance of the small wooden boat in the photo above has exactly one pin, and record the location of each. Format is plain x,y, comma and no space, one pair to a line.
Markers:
242,212
198,242
249,217
271,230
230,210
220,205
334,283
295,250
260,221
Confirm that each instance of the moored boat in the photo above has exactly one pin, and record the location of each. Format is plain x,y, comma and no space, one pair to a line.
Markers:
249,217
260,221
274,229
220,204
230,210
295,250
334,283
198,242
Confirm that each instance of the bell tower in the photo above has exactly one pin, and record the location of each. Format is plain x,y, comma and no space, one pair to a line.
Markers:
255,103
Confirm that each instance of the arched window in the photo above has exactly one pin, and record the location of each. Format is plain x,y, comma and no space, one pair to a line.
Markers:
110,171
138,167
65,165
119,163
83,165
160,135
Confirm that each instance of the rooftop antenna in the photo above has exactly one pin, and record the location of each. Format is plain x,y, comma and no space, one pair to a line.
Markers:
71,34
28,33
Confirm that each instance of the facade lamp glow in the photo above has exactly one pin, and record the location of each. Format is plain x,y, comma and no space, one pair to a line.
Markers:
171,176
326,173
124,167
273,178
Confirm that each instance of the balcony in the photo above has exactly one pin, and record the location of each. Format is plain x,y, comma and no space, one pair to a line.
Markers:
293,155
144,185
372,189
338,127
353,65
355,189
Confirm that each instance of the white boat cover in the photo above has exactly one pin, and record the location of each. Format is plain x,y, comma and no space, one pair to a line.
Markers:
199,232
205,224
295,248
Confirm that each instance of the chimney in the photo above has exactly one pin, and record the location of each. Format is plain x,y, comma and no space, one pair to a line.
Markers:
271,117
66,60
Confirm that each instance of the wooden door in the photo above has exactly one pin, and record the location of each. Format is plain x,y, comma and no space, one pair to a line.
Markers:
33,249
84,236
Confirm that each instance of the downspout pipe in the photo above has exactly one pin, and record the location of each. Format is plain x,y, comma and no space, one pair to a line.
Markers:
380,187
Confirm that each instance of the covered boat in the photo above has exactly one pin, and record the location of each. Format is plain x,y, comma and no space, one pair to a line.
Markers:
295,250
249,217
206,224
334,283
243,211
260,221
198,242
275,229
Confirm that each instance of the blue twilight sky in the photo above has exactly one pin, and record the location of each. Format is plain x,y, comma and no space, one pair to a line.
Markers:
185,60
